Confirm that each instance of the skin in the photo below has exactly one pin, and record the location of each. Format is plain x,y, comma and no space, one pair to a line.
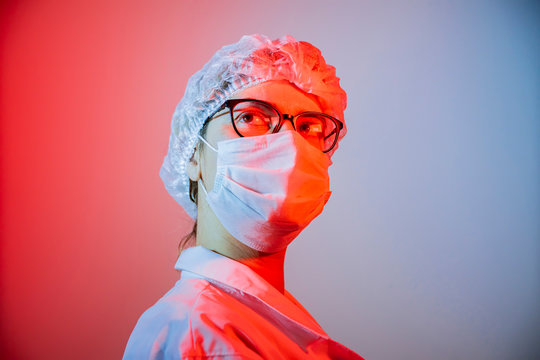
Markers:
288,99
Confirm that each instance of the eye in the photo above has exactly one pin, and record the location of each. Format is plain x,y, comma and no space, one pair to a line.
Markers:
251,119
310,128
252,122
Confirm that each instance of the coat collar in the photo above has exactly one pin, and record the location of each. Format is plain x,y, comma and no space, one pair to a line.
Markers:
204,263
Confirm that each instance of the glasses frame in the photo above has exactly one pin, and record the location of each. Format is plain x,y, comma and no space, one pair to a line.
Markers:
231,103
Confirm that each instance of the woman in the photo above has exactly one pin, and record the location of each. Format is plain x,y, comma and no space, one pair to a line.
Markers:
248,158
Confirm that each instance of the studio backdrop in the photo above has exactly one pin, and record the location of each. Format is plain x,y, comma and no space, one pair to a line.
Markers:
428,248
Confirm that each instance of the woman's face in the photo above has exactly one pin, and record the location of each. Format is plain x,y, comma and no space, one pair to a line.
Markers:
284,96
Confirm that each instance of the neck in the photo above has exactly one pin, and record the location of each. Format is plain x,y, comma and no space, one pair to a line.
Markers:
269,266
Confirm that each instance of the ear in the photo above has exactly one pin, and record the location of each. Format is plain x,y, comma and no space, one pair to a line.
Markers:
193,166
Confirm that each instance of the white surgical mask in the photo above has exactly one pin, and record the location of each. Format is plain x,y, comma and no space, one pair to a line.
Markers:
268,188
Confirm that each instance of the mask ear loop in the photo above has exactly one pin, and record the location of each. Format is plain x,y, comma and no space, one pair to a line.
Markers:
200,182
207,143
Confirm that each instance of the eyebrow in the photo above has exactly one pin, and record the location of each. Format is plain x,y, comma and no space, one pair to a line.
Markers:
223,111
320,110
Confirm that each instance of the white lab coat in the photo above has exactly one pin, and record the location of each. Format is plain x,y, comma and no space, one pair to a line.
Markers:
221,309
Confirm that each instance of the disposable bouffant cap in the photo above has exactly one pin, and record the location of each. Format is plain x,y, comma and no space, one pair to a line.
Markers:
252,60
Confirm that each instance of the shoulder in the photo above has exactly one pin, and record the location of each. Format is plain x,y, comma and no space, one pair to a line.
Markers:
167,319
188,321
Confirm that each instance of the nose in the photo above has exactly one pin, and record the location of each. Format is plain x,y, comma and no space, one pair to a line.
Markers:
286,123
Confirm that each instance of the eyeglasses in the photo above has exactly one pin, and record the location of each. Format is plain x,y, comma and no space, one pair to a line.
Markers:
252,117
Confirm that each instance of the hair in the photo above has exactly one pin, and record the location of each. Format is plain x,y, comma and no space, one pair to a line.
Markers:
189,239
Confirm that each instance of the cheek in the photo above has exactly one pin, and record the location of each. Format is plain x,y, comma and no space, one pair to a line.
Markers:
226,132
217,131
208,168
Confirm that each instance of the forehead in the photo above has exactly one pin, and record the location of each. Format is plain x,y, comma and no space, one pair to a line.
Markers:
283,95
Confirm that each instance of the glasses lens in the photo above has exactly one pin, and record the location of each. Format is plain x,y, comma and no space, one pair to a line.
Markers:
318,129
253,118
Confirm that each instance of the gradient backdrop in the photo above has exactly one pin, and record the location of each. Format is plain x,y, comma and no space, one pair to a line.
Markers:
429,247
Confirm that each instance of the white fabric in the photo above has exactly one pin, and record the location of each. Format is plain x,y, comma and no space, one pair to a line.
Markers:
268,188
221,309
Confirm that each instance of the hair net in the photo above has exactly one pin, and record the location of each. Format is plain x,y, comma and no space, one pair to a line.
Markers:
252,60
